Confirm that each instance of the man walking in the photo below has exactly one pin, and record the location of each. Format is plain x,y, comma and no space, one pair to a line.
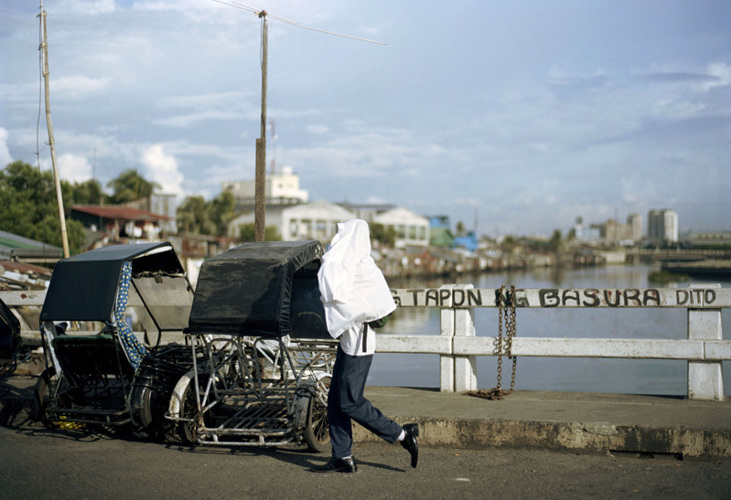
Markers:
356,299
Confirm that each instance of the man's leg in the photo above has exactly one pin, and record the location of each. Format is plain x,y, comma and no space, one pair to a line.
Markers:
341,435
352,403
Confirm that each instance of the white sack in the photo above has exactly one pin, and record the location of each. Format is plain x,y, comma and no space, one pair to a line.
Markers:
352,288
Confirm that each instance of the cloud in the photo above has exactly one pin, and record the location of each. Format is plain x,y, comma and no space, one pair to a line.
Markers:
73,168
318,129
86,7
163,169
186,121
5,156
78,87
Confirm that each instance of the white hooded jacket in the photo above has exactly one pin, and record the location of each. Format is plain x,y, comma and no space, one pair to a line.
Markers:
353,289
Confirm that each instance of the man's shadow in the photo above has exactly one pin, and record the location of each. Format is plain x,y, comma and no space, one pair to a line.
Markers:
291,454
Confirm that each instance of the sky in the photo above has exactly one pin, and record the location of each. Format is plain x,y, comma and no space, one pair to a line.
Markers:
510,117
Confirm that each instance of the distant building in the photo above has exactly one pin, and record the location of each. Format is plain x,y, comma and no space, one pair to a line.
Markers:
412,230
162,204
281,188
311,221
610,231
634,221
120,222
18,248
662,225
710,239
366,211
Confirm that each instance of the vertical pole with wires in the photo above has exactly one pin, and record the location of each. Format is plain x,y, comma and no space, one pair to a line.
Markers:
51,140
261,143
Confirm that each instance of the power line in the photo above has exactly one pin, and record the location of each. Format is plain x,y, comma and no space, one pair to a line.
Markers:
293,23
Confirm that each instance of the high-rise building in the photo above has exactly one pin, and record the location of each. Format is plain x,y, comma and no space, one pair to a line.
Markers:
662,225
634,221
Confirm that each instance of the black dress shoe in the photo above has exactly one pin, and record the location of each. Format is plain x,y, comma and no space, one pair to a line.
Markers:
409,442
346,465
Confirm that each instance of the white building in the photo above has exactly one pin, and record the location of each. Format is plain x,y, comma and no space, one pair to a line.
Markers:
312,221
662,225
282,188
411,229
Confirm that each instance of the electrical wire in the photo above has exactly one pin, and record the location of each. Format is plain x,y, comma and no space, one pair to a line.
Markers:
261,13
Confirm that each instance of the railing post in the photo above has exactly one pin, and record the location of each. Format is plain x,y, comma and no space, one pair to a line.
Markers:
705,378
446,363
465,367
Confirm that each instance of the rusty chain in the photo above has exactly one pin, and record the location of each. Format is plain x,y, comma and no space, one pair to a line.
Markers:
506,303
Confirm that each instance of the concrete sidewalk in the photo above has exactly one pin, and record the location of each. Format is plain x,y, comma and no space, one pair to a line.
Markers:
582,422
599,423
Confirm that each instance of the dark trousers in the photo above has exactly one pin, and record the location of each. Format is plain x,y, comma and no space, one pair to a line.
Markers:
346,402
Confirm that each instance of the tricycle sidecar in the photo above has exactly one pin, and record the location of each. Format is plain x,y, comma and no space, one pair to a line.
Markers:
99,371
267,356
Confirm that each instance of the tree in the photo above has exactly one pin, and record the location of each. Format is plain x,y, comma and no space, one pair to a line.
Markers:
30,208
193,216
386,235
129,186
221,212
88,193
555,243
508,244
247,233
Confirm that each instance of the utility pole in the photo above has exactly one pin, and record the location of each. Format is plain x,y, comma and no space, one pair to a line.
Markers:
260,177
261,143
51,140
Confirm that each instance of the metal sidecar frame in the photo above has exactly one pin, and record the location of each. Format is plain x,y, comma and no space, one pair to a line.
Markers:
267,357
97,370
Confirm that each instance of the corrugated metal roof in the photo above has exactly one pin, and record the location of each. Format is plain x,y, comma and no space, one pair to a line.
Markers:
119,212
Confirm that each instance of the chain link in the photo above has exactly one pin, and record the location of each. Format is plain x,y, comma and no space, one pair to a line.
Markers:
506,303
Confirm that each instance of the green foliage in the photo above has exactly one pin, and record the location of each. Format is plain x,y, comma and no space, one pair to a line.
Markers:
30,208
384,235
196,215
221,212
193,216
555,243
129,186
247,232
508,244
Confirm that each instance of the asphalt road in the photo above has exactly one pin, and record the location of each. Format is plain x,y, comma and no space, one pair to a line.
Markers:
39,463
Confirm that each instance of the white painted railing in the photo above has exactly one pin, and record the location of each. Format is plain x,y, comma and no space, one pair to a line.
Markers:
704,348
458,346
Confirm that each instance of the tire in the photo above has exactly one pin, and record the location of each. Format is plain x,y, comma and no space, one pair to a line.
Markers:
188,431
148,413
316,432
42,396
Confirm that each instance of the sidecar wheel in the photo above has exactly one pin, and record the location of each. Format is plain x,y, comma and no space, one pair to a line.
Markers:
317,432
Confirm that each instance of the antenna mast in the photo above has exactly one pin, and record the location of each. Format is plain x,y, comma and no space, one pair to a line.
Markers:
51,140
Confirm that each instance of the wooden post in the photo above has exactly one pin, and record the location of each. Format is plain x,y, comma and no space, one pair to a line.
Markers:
261,143
51,140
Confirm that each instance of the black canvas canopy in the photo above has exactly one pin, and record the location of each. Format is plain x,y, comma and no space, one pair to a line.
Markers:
84,287
261,289
9,331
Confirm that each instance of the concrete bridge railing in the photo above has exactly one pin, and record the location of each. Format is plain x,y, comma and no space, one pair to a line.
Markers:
458,345
704,348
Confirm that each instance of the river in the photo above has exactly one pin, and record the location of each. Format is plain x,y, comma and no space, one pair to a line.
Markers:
603,375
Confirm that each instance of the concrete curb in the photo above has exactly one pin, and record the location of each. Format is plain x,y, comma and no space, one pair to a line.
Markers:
572,436
591,423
